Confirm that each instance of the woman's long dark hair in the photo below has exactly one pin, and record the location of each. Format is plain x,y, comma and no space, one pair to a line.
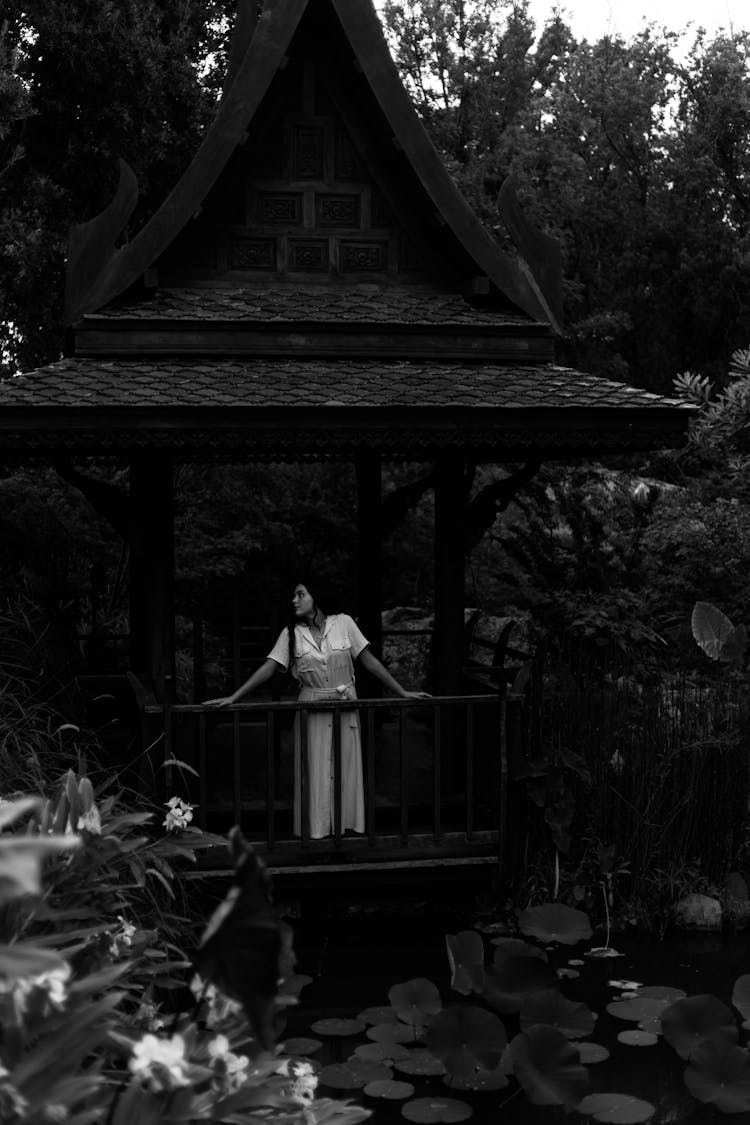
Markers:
323,600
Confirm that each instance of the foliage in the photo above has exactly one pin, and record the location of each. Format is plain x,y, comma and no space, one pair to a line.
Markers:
92,964
123,79
633,153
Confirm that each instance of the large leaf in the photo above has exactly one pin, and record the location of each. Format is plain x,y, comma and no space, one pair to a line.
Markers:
688,1023
508,985
638,1008
719,1075
573,1019
712,629
741,995
555,922
353,1075
21,860
548,1067
11,811
27,960
466,960
466,1038
415,1001
616,1109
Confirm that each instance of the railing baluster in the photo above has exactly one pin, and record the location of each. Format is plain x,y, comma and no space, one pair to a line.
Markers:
436,753
202,779
502,826
236,767
304,779
167,782
469,771
371,776
271,778
336,718
403,759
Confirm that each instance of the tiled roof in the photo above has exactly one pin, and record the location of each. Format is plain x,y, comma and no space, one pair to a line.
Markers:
115,383
273,304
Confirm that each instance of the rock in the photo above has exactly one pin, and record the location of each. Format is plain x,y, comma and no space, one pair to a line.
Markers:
698,912
736,902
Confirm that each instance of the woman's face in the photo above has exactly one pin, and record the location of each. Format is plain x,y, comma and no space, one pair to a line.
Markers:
302,601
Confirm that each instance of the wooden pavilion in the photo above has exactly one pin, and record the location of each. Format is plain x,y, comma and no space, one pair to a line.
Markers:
315,287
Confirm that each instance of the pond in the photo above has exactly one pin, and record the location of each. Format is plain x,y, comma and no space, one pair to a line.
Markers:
355,957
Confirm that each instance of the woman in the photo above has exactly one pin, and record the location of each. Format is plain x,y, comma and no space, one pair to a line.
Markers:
323,650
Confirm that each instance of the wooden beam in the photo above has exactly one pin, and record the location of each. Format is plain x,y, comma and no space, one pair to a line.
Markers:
152,654
450,518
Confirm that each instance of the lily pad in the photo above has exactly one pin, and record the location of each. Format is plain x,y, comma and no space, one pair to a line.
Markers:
602,952
567,974
688,1023
573,1019
555,922
415,1001
381,1052
661,992
591,1052
466,959
391,1033
719,1075
302,1046
353,1075
420,1063
336,1027
481,1081
548,1067
379,1013
616,1109
293,985
466,1038
518,947
638,1008
508,985
390,1089
638,1038
436,1109
741,996
626,985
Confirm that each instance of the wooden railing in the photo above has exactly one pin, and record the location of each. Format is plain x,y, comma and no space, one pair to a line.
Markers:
434,769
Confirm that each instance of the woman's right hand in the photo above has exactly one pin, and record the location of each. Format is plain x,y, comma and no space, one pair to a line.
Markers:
224,701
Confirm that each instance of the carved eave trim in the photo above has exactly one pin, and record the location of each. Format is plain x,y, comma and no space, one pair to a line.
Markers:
338,433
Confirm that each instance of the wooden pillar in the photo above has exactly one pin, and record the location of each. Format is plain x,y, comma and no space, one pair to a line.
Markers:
369,561
450,519
152,640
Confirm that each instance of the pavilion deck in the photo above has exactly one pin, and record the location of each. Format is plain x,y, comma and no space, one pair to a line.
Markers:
435,780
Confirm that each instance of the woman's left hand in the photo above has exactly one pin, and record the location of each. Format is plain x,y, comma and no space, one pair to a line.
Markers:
416,695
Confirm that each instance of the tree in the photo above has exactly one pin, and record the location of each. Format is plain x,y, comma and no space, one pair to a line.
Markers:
99,80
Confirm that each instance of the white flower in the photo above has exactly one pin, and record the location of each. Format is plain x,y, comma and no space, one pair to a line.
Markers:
304,1078
218,1047
55,982
230,1070
56,1111
52,983
179,813
160,1063
91,822
219,1007
122,936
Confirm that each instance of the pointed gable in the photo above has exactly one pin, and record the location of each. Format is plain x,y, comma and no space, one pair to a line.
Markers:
316,168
